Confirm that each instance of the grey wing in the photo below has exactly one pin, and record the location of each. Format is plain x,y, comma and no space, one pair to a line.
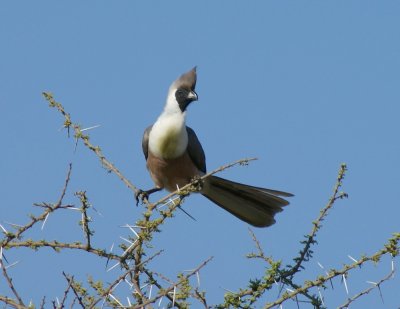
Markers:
195,151
145,141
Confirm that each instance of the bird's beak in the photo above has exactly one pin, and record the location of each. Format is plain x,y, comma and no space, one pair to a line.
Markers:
193,96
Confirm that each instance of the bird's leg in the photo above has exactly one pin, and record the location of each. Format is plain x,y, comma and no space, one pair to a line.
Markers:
144,194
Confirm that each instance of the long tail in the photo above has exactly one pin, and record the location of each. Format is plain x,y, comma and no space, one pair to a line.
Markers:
254,205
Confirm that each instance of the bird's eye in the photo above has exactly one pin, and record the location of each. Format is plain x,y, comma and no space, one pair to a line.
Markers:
181,94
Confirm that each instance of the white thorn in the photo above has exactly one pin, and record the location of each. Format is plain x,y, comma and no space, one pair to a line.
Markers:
322,267
159,303
150,290
173,297
44,221
129,248
291,291
198,278
127,240
170,201
174,200
4,230
353,259
11,265
128,283
129,302
345,284
119,303
132,230
372,282
90,128
227,290
112,247
112,267
162,205
74,208
139,227
143,286
320,296
13,224
58,301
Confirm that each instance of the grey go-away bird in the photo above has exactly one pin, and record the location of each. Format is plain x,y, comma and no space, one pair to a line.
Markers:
175,157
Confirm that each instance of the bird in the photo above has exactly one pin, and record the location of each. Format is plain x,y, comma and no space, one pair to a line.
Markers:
174,157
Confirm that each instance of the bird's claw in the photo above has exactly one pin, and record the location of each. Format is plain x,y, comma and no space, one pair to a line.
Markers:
144,195
141,195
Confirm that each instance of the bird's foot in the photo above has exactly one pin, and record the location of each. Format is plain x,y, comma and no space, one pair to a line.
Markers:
143,195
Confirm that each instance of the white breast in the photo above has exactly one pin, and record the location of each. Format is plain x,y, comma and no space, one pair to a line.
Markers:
168,138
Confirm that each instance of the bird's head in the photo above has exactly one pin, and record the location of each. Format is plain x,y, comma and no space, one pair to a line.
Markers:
182,91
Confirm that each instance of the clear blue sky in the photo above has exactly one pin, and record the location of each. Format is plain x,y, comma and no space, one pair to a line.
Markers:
302,85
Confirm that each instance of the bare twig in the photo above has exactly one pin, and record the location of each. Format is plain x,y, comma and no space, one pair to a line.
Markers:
62,304
11,302
43,302
10,283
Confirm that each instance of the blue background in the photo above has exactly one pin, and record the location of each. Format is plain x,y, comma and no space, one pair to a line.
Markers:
302,85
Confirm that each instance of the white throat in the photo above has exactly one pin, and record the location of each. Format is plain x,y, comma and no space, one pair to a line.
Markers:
168,138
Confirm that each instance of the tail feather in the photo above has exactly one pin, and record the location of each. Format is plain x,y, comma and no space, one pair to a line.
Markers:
254,205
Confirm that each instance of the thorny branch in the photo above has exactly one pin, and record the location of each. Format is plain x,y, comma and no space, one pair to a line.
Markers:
305,252
13,240
108,291
70,281
286,275
85,138
42,217
375,285
64,299
11,302
149,224
320,281
9,281
85,218
172,286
